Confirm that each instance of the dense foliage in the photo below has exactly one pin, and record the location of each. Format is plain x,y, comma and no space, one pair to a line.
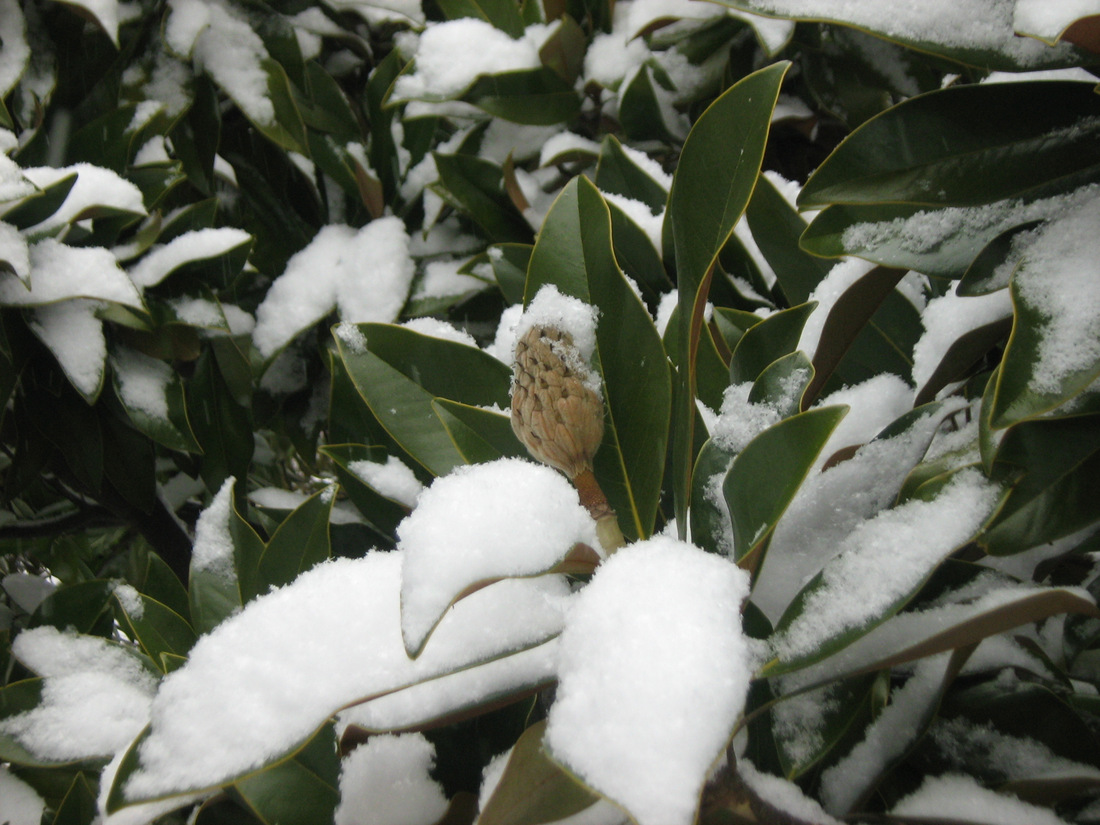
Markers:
259,260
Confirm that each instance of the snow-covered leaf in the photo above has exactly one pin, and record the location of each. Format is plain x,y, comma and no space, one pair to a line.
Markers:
654,672
228,711
479,524
15,52
1049,21
59,272
97,192
73,333
104,12
196,245
152,393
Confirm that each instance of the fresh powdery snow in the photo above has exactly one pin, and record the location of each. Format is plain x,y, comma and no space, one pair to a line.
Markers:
1059,278
452,54
836,282
73,333
20,804
550,308
885,558
94,187
783,795
142,382
392,478
364,273
59,272
1048,20
14,250
329,639
95,696
213,546
653,676
16,51
956,797
949,317
197,245
509,517
386,781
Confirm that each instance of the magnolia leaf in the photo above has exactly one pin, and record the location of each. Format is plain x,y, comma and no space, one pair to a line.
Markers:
155,627
299,543
764,343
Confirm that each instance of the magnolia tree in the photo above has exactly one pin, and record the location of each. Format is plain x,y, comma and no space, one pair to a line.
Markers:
655,412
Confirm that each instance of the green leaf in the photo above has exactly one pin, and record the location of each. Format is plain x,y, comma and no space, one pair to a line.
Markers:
476,186
399,372
618,173
300,542
711,188
574,252
79,806
965,351
643,105
776,227
381,512
766,475
538,97
639,258
82,606
783,384
300,790
502,14
33,209
510,269
534,789
170,428
982,276
846,320
773,338
156,627
221,425
1022,388
710,523
965,146
845,708
479,435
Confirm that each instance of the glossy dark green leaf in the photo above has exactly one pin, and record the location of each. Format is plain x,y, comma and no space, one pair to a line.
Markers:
1023,388
964,146
503,14
381,512
848,317
710,521
300,790
172,430
33,209
618,173
221,425
574,252
400,372
776,227
538,97
710,191
83,606
993,266
79,805
328,109
845,710
783,384
477,187
766,342
510,269
766,475
300,542
479,435
965,351
534,789
638,257
643,106
156,628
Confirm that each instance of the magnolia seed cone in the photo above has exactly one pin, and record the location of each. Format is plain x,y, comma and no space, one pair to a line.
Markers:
557,417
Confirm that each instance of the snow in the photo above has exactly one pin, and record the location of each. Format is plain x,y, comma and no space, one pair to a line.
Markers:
387,781
435,328
14,250
27,590
886,739
509,517
95,696
949,317
1060,279
15,52
196,245
550,308
19,803
653,675
142,382
965,24
783,795
230,709
213,549
73,333
503,347
94,187
883,559
59,272
130,600
393,479
1048,20
364,273
566,144
872,406
442,279
452,55
740,420
638,212
958,797
12,183
613,55
829,506
228,49
377,12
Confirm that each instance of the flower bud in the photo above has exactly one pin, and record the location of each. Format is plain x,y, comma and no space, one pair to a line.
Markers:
555,413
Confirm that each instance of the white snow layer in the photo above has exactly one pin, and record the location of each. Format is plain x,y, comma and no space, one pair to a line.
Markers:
948,318
393,479
213,546
365,273
20,804
885,558
73,333
550,308
452,54
230,709
159,262
94,187
142,382
1049,20
59,272
653,675
385,782
95,696
482,522
957,797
